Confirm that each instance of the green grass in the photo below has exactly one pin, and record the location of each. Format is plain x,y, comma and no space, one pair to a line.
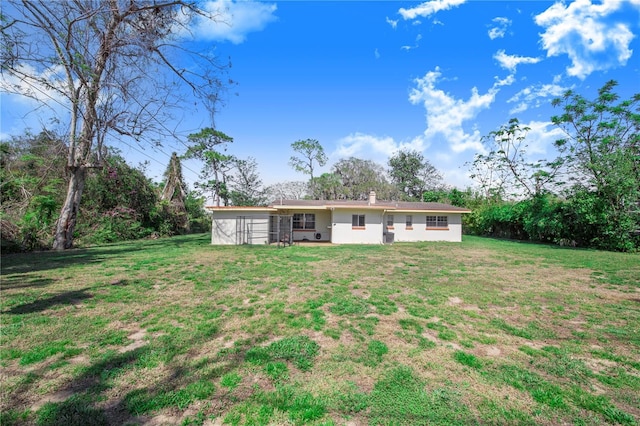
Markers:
299,349
400,397
481,332
142,401
467,359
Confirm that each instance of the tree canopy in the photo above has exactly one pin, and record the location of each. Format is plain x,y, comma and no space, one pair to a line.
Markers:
412,174
310,153
589,195
106,68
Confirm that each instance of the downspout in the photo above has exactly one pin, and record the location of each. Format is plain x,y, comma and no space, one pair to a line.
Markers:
384,213
332,224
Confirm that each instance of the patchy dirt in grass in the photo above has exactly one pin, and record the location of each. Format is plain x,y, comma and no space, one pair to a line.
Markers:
454,301
470,285
361,293
492,351
159,420
138,341
80,359
598,365
59,396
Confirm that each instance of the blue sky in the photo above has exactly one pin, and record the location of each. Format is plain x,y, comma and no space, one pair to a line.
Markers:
366,78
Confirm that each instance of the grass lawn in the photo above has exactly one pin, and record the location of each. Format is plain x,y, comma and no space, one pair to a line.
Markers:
176,331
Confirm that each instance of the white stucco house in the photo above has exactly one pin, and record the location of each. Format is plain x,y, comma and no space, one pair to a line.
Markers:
339,222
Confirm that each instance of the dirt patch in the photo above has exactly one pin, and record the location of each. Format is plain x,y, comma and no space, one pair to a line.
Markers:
59,396
599,366
454,301
360,293
80,359
160,420
492,351
138,341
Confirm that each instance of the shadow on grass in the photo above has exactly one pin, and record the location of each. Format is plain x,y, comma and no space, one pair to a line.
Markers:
66,298
13,282
19,263
85,395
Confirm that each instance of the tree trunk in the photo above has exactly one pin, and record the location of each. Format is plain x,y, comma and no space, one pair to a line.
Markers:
66,224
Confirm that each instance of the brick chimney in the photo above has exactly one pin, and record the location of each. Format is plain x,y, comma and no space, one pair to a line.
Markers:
372,197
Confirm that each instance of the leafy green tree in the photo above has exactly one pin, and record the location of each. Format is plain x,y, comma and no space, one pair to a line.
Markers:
327,186
602,151
31,189
309,152
413,174
120,203
114,75
598,205
453,196
215,172
198,220
359,177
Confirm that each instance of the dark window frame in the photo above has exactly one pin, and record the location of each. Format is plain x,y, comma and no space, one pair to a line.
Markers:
304,221
358,221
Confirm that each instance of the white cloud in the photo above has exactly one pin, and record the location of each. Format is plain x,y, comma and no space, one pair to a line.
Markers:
429,8
507,81
446,115
394,24
511,62
374,147
582,32
500,29
533,94
376,53
415,46
541,137
236,19
35,92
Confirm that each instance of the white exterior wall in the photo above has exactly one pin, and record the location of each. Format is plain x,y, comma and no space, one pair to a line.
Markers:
223,227
419,231
342,232
323,223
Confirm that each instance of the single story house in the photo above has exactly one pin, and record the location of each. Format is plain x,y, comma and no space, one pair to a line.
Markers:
337,221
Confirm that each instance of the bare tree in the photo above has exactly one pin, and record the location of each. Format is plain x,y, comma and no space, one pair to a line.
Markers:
508,166
292,190
109,68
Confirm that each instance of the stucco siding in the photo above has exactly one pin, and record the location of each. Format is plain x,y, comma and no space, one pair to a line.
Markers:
255,228
419,231
343,233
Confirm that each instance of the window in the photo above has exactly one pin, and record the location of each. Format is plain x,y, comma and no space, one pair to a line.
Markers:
390,220
437,222
304,221
409,221
357,220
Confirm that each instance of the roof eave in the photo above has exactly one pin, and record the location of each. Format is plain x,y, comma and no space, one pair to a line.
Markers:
240,208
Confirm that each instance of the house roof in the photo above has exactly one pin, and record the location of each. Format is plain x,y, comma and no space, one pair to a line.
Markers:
400,206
